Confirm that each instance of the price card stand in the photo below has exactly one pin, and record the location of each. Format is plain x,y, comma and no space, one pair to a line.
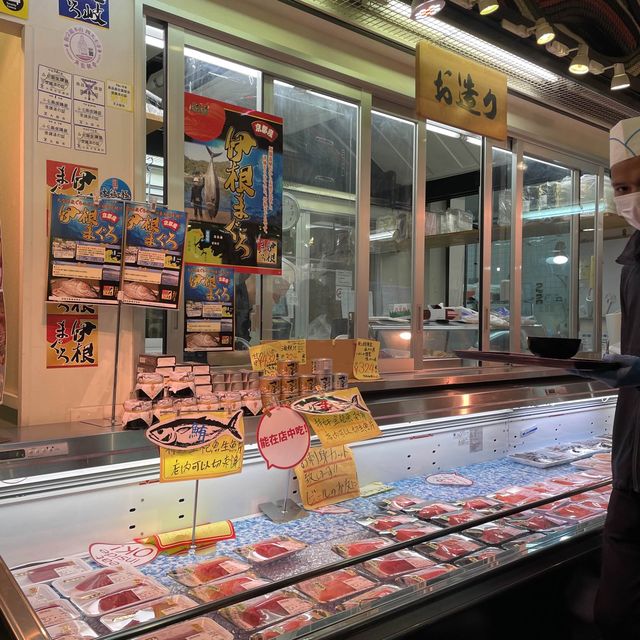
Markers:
193,547
284,510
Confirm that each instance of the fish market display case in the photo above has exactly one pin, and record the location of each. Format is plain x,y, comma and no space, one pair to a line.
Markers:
526,472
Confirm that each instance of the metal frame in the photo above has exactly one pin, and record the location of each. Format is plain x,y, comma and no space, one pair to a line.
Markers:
598,253
574,249
419,213
515,294
486,243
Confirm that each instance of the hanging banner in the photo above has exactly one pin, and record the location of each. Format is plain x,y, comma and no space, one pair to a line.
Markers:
338,417
71,179
460,92
85,250
233,186
153,248
327,476
208,307
72,336
15,8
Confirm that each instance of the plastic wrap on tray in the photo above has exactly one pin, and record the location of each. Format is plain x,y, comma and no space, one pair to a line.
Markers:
397,563
384,523
73,629
49,571
519,496
57,612
40,594
414,530
455,518
196,629
449,548
335,586
192,575
488,555
99,602
495,532
227,587
292,624
357,548
426,575
592,500
533,520
98,579
429,510
267,610
576,511
272,549
368,597
133,616
400,503
576,480
480,503
520,544
542,458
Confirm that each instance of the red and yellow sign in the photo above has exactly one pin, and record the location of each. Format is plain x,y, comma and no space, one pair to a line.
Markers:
72,335
459,92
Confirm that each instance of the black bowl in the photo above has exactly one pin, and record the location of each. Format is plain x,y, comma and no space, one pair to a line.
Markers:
561,348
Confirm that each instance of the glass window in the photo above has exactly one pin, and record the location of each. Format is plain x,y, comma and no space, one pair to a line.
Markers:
391,233
452,249
315,297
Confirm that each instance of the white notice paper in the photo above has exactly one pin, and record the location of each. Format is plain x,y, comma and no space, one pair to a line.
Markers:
54,132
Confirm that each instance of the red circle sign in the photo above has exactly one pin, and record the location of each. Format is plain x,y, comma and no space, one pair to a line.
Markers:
135,554
283,438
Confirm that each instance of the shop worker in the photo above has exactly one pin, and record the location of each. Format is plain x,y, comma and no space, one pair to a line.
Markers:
617,609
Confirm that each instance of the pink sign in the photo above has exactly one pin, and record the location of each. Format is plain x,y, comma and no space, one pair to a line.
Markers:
131,553
283,438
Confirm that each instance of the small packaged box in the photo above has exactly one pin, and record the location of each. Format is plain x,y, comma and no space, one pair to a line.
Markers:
532,520
98,602
271,549
494,533
455,518
399,503
292,624
97,579
193,575
488,556
397,563
39,595
353,549
524,543
480,503
196,629
76,629
575,511
202,380
429,510
368,597
414,530
384,523
50,571
335,585
156,360
133,616
201,370
449,548
57,612
227,587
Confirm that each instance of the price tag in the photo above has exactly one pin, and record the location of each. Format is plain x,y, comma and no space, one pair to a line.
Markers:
365,360
264,358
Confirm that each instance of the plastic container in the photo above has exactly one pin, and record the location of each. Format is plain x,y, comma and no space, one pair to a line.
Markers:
96,603
455,518
415,530
495,533
449,548
427,575
353,549
369,597
385,523
532,520
193,575
49,571
488,556
227,587
270,549
71,629
480,503
426,511
98,579
196,629
335,586
133,616
58,612
400,503
39,595
397,563
292,624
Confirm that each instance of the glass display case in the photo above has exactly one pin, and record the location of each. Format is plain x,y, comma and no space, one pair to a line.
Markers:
470,486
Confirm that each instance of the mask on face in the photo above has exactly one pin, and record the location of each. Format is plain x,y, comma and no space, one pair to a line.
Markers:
628,207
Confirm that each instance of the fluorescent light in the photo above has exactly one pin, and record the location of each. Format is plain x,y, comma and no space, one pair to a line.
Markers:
473,140
580,64
588,230
325,97
220,62
549,164
286,85
487,6
544,32
390,117
620,78
152,41
405,335
381,235
434,128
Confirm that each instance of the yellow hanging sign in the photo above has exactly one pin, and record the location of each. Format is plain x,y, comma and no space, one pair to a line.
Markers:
291,350
365,360
264,358
460,92
326,476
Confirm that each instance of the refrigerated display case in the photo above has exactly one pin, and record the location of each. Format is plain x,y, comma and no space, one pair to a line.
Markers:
435,547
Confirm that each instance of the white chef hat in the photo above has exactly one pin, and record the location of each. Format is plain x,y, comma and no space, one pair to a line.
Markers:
624,140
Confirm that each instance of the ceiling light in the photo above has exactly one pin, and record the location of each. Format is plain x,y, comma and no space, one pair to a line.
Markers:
557,260
559,254
488,6
620,78
558,49
434,128
596,68
426,8
517,29
580,63
544,32
473,140
405,335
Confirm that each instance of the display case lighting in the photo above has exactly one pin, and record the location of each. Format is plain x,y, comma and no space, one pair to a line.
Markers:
382,235
544,32
580,64
485,7
473,140
620,78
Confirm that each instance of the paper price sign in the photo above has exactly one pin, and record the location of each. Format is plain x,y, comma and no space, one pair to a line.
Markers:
264,358
292,350
283,438
365,360
133,554
326,476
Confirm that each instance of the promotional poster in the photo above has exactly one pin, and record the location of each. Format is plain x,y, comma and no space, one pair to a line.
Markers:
233,186
154,244
85,250
209,308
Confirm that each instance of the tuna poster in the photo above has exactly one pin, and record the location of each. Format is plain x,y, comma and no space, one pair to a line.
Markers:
153,252
208,295
232,186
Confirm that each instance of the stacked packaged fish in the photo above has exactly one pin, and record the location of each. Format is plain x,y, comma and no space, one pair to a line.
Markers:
563,453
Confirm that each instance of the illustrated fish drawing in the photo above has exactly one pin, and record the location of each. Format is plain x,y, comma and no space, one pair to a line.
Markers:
328,404
191,433
136,291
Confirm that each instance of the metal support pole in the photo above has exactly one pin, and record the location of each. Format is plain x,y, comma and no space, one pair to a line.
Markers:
195,515
517,224
115,365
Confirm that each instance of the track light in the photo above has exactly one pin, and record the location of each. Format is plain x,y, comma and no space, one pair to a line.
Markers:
620,78
580,63
517,29
558,49
425,8
596,68
488,6
544,32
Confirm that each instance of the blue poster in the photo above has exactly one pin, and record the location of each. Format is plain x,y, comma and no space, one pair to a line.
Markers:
85,249
115,188
93,12
208,307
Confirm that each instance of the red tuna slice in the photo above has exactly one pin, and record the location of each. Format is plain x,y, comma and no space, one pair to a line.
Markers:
397,566
218,568
117,600
97,580
360,547
425,575
48,572
435,509
270,549
409,533
260,613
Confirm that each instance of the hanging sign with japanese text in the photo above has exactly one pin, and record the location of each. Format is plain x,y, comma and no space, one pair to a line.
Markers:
72,335
71,179
338,417
85,249
326,476
153,248
283,438
459,92
208,308
233,186
264,358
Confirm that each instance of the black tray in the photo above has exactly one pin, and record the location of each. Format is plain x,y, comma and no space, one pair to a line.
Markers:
583,364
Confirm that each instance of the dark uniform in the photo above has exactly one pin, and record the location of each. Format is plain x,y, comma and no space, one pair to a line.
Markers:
618,602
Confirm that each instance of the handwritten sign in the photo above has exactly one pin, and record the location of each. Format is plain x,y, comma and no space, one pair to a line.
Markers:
460,92
365,360
220,457
339,417
283,438
326,476
292,350
264,358
134,554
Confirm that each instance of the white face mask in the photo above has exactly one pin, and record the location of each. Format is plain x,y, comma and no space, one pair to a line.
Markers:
628,207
